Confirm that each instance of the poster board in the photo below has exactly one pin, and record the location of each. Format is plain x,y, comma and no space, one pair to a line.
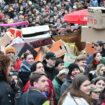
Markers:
92,35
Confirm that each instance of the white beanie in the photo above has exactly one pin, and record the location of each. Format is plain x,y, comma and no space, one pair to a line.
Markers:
63,71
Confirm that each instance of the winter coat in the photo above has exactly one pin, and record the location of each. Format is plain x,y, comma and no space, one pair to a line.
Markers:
65,85
33,97
51,72
25,67
50,92
24,72
57,86
69,100
6,94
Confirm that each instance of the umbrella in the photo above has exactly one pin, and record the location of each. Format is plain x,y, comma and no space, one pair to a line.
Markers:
77,17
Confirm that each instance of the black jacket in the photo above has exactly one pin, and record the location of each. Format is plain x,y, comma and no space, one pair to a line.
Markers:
32,97
6,94
51,72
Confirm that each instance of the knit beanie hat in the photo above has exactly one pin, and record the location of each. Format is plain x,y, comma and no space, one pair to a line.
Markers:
71,67
10,49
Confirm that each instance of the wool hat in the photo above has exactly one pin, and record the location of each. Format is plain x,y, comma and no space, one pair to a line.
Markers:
71,67
10,49
50,55
63,71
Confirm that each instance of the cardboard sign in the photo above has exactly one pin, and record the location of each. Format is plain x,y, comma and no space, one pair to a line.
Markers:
96,17
68,59
15,32
41,42
58,48
25,48
35,33
92,35
6,39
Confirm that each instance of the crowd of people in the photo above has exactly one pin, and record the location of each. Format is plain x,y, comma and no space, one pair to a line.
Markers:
50,82
24,81
41,12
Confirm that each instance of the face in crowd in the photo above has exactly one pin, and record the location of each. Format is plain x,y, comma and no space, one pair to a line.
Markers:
86,87
82,63
60,66
42,83
100,70
97,48
81,83
98,57
40,67
51,62
100,84
75,72
30,59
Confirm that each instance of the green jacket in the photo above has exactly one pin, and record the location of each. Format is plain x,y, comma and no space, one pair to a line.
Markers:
57,86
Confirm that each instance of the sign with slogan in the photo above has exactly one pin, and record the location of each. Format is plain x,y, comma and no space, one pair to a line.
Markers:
41,42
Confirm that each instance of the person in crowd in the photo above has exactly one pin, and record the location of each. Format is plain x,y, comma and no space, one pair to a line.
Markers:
38,66
13,72
95,94
15,77
102,98
84,53
81,62
59,65
73,71
50,59
96,60
9,90
11,52
25,67
98,47
46,12
58,81
35,96
78,93
99,82
98,85
100,71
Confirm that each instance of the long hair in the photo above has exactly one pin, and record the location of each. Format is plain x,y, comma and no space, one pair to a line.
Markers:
98,68
4,63
94,62
74,89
